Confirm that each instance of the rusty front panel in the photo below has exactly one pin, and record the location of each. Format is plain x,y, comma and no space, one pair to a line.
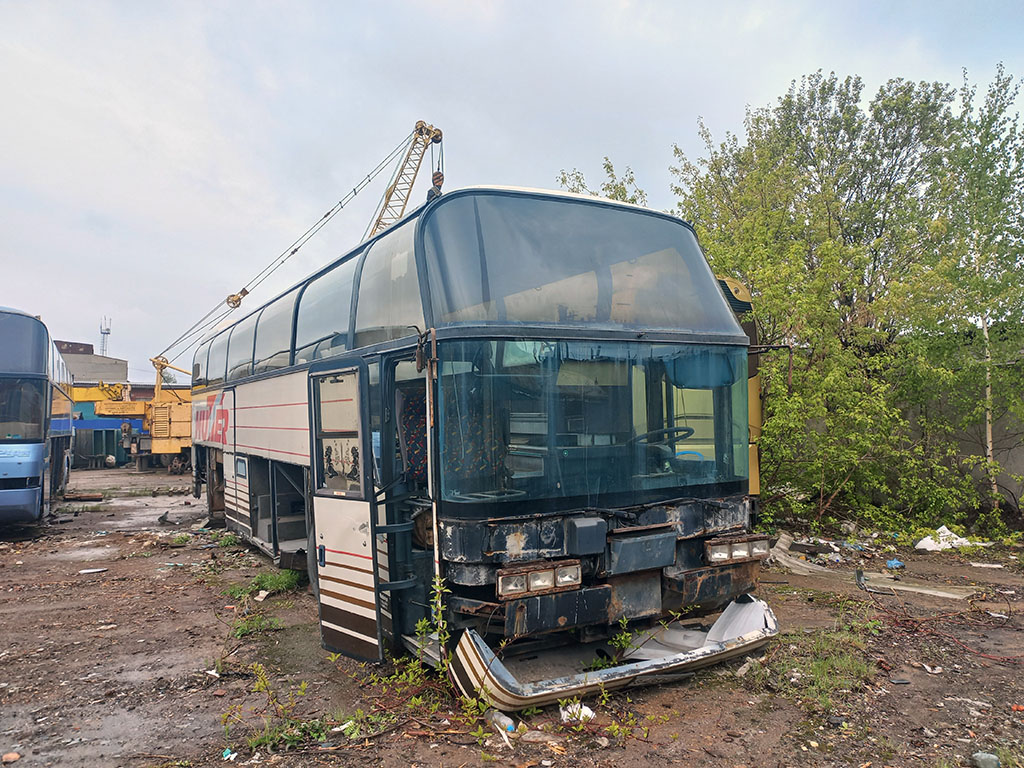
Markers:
562,610
708,587
634,596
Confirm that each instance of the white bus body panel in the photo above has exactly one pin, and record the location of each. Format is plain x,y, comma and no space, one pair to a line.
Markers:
272,418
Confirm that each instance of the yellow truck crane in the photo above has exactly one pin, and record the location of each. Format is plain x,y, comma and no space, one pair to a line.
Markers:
166,422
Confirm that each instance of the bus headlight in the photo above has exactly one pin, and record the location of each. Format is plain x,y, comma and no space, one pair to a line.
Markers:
567,575
512,585
541,580
741,550
718,553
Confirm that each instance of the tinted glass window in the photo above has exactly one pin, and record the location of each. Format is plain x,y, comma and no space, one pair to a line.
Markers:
240,348
23,344
337,438
22,409
506,259
199,365
218,359
274,335
389,291
323,320
590,423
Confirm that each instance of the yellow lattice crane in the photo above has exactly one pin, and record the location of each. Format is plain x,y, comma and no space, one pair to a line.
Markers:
396,198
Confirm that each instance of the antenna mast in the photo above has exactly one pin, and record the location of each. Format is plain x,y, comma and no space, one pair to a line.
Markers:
104,335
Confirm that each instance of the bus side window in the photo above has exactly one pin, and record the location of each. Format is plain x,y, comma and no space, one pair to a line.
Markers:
339,469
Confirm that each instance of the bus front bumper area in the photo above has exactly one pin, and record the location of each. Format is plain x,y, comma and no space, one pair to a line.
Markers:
665,653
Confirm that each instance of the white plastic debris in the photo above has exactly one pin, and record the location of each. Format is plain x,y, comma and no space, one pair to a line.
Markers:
575,712
987,565
942,539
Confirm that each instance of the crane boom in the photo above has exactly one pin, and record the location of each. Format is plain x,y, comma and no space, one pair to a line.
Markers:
396,198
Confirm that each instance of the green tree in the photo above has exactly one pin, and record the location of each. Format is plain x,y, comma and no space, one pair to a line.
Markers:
623,188
823,210
981,191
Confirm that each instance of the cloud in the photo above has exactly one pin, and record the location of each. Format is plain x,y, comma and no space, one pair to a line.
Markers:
153,157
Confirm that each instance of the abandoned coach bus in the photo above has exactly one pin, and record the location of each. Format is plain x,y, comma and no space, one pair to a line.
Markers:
35,418
534,401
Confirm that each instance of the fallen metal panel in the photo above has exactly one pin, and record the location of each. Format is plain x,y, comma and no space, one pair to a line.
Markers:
478,672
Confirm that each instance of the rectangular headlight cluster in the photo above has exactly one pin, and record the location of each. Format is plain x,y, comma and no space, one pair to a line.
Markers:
553,578
720,551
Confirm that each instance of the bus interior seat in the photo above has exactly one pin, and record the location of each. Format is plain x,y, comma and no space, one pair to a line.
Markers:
412,432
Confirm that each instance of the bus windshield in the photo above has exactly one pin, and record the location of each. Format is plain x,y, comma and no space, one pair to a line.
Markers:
591,423
22,410
498,259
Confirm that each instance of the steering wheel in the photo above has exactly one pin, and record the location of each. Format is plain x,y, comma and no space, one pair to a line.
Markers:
667,434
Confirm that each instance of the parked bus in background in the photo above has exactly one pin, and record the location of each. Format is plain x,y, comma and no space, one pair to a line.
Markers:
35,419
516,417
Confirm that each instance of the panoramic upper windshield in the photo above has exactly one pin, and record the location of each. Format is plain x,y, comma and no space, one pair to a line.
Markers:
22,410
498,258
590,423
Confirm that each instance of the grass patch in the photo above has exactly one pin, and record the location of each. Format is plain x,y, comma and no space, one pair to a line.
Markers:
817,668
284,580
254,624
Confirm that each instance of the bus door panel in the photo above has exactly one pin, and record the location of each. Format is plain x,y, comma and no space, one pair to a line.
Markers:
404,567
343,514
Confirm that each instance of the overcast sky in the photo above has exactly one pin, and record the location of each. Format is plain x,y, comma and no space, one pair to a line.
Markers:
155,155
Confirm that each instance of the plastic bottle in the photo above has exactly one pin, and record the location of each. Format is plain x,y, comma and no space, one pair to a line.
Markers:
500,720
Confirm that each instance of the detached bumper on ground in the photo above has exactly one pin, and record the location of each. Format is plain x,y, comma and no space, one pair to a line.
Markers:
671,651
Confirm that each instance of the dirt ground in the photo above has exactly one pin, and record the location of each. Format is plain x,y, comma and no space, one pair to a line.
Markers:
138,664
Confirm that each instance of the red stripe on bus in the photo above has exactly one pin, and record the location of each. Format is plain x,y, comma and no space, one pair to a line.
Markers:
342,400
350,554
272,450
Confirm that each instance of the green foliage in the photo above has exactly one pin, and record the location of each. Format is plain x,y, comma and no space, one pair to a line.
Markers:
275,724
284,580
880,238
816,669
622,188
254,624
181,539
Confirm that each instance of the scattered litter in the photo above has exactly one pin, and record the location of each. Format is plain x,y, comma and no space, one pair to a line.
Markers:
500,720
540,737
899,681
894,564
261,596
1017,707
985,760
86,571
83,497
995,615
576,712
213,673
746,667
105,627
343,727
943,538
987,565
932,670
227,754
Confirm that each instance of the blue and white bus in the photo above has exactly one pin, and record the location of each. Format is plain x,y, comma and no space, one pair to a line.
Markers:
35,418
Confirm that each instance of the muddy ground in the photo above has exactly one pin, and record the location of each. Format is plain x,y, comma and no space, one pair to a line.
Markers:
138,664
